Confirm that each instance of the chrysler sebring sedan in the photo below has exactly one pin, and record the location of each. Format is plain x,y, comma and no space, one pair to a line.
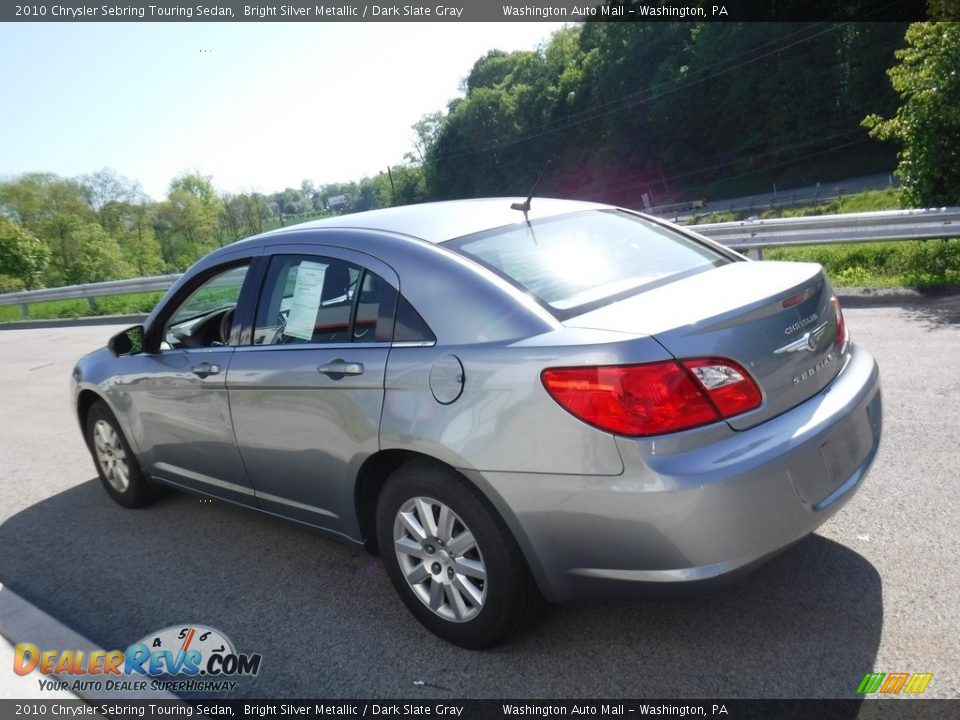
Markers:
506,401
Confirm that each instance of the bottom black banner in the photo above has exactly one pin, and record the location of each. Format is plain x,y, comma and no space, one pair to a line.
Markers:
482,709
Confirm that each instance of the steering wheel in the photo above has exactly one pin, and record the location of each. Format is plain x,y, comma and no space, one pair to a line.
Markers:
184,338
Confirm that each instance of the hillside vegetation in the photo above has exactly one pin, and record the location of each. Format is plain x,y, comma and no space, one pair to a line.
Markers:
921,263
627,113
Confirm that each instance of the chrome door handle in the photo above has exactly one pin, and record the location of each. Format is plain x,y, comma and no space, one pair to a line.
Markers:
204,369
340,367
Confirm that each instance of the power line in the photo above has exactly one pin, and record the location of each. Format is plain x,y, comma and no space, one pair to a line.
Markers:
635,98
561,179
629,101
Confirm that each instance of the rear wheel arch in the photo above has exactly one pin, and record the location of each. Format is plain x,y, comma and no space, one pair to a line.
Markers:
371,478
455,563
375,472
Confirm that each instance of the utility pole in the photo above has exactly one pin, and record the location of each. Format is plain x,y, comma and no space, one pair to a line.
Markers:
393,190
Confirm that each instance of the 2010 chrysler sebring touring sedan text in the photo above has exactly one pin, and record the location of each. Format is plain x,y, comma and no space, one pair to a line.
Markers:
507,401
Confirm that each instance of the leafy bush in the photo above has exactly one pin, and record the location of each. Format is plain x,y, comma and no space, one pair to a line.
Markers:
138,304
922,263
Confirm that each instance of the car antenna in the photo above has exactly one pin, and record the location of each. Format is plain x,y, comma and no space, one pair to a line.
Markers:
524,207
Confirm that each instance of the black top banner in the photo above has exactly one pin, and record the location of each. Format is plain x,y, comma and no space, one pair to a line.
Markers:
482,11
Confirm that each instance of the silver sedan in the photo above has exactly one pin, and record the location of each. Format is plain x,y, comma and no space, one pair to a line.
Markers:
507,401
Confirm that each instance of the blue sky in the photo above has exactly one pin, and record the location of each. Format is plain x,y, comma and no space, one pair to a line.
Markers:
259,106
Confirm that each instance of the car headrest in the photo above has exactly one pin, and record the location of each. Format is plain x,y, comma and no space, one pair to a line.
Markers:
336,281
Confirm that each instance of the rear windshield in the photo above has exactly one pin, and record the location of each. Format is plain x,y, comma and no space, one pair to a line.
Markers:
572,262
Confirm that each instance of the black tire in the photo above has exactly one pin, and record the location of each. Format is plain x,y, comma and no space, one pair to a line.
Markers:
509,594
137,491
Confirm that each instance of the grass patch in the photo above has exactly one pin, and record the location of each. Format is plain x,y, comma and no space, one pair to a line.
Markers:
711,218
919,263
136,304
871,201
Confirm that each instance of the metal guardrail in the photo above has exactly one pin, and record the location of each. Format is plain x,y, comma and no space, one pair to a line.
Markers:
89,291
829,229
796,197
750,235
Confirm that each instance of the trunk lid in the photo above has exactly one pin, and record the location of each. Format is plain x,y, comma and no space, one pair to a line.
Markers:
775,319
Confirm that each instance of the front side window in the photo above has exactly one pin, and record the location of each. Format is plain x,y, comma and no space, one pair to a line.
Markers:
313,299
205,318
575,261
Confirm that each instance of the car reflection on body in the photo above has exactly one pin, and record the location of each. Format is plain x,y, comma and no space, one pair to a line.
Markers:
506,402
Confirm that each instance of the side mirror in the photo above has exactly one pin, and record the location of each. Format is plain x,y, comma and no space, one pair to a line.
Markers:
127,342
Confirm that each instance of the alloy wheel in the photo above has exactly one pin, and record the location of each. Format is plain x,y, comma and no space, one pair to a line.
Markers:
111,455
440,559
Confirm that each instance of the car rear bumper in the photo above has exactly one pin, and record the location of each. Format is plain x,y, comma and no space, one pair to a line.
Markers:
696,506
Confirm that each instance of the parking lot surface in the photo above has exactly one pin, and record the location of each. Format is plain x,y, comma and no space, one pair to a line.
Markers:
876,589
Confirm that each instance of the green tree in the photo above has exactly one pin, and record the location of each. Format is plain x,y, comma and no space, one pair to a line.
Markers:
105,190
188,224
425,132
622,109
927,123
23,200
36,199
256,211
56,211
98,256
410,183
136,236
82,252
23,257
292,201
231,220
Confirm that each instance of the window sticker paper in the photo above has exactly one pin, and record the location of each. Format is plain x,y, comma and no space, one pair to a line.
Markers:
306,300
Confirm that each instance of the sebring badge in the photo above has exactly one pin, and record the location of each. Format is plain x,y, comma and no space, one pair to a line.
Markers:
811,371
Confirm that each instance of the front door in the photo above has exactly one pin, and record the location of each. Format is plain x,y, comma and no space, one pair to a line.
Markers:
180,410
307,394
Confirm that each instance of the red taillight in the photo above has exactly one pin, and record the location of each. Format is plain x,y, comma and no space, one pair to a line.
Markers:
728,386
653,398
842,337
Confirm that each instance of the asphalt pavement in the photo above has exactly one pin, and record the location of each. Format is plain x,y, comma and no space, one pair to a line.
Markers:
875,589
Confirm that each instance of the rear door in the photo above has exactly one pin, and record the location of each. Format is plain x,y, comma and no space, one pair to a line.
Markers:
306,395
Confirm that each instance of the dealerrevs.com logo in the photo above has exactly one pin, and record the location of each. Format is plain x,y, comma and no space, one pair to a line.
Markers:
180,658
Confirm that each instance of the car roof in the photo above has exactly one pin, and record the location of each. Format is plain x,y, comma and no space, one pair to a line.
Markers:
440,221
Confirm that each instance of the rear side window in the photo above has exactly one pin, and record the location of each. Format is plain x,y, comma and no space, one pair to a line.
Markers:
313,299
579,260
410,325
